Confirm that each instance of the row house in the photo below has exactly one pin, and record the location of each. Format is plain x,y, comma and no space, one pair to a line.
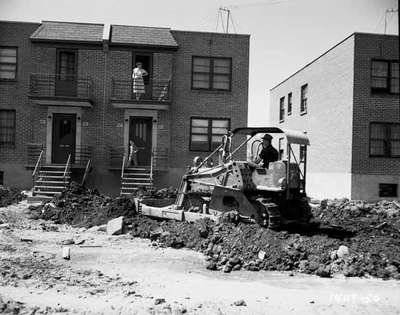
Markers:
69,108
347,100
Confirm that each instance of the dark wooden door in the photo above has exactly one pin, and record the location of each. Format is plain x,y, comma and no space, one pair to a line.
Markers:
140,132
66,80
64,135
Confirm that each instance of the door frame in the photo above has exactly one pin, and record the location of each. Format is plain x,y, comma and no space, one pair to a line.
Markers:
49,130
58,53
149,71
140,113
53,141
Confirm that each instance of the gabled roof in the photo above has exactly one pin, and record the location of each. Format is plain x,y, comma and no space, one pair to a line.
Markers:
68,31
142,36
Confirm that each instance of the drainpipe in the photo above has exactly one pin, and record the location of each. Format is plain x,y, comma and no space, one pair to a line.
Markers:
106,41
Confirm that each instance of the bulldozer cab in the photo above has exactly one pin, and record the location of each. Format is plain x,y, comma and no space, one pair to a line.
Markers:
288,173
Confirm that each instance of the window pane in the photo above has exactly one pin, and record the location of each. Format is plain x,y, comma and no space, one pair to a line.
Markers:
7,127
394,85
199,122
201,64
6,67
221,85
8,52
201,80
395,70
7,75
377,131
199,130
377,147
219,131
379,83
395,148
8,59
380,68
220,123
200,138
395,132
216,139
222,66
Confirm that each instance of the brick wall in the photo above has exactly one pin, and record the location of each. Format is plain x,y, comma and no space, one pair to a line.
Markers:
188,102
372,107
328,121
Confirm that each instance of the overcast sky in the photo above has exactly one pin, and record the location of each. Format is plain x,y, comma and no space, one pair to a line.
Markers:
284,36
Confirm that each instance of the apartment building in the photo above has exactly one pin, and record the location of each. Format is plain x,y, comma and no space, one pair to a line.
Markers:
67,95
347,100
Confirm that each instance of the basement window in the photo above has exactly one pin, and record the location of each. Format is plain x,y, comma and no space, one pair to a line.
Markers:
1,177
387,190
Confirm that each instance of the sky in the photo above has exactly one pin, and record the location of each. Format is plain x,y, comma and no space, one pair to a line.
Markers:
285,34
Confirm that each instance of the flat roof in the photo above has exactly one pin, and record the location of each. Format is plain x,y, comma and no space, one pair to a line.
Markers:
333,47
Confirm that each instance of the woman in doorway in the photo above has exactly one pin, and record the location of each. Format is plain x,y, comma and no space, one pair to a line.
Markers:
138,82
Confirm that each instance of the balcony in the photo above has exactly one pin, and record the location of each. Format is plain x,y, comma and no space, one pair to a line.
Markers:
157,94
79,158
62,90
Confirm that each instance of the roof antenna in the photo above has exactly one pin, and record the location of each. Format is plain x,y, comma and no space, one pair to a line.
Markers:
386,14
228,15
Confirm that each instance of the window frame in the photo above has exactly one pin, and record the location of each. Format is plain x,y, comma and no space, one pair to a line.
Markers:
16,64
282,109
14,140
58,60
289,103
303,110
387,90
381,188
209,131
211,74
387,150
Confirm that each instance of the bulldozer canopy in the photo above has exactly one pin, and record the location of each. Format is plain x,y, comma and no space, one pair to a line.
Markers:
292,136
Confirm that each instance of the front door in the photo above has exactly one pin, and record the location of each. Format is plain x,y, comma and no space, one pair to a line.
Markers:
140,132
66,80
64,135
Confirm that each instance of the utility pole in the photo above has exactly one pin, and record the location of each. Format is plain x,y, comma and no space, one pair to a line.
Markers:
228,14
386,14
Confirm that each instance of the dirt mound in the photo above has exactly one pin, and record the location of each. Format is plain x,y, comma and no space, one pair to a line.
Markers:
9,196
84,207
355,244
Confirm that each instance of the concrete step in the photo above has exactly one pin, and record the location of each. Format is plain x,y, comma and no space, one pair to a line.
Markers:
49,187
136,174
136,183
39,198
47,193
49,182
54,176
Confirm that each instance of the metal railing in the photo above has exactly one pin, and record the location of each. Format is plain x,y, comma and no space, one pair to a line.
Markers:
154,90
46,84
37,168
83,153
123,166
32,152
67,165
160,159
85,175
115,154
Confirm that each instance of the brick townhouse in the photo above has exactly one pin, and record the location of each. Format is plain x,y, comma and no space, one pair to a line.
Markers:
347,100
67,95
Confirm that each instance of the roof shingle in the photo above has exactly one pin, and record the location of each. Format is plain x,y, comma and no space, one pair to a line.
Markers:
66,31
142,36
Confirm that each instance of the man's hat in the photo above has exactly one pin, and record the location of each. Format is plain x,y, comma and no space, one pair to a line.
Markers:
267,137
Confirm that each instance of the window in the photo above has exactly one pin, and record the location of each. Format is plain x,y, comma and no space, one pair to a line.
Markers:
7,127
280,148
387,190
303,101
385,76
206,133
384,140
1,177
210,73
282,109
289,104
302,153
8,63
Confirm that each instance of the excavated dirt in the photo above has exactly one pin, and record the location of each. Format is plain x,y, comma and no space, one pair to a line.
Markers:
346,237
9,196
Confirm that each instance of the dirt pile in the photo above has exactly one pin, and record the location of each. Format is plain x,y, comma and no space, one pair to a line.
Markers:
83,207
342,240
9,196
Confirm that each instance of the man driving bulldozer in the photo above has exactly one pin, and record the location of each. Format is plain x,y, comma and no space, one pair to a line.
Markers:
268,153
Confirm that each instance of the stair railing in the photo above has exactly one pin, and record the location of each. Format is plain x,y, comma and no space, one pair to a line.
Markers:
66,170
152,164
37,168
86,172
123,166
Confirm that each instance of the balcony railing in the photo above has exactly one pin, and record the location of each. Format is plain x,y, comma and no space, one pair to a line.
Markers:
154,90
57,85
160,158
115,157
79,158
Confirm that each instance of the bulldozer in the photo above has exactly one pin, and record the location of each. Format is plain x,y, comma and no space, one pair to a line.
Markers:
270,197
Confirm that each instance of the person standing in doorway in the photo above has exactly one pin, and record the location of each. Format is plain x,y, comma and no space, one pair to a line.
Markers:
138,82
133,149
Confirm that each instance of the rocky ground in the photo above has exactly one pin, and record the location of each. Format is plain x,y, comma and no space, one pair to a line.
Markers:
154,274
9,196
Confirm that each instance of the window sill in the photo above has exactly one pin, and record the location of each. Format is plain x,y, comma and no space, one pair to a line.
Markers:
281,121
3,81
303,113
211,91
